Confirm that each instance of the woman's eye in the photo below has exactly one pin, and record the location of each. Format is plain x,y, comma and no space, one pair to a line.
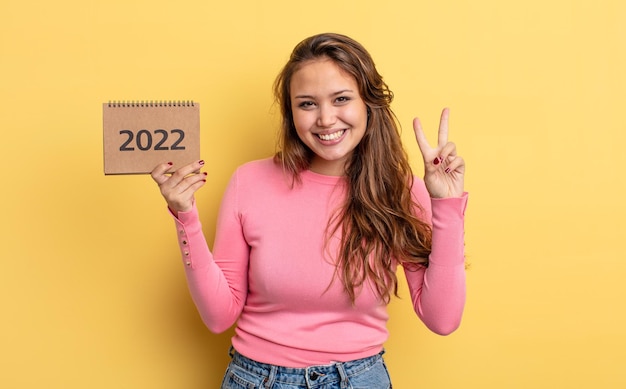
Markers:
342,99
306,104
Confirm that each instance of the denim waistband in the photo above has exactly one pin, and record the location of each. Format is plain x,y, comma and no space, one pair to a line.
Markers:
309,377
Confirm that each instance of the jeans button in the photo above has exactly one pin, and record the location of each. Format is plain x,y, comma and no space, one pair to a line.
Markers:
314,376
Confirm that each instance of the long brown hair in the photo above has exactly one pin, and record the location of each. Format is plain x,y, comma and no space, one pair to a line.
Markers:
377,222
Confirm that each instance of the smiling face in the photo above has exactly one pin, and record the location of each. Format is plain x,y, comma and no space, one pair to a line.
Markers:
328,113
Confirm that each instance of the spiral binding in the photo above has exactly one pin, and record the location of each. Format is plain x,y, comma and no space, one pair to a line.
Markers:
150,103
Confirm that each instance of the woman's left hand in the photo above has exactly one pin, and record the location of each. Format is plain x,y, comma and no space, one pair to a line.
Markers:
444,169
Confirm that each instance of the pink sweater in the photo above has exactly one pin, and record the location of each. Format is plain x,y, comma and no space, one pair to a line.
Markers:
270,272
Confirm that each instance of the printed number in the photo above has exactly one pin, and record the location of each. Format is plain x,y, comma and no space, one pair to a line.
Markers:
181,136
143,140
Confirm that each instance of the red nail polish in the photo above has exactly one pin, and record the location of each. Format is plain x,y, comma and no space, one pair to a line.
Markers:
447,170
436,161
205,173
170,163
201,162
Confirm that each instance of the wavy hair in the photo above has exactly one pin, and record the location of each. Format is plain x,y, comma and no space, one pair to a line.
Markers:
377,223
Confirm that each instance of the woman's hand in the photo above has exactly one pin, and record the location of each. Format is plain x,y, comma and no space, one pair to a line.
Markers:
444,169
179,187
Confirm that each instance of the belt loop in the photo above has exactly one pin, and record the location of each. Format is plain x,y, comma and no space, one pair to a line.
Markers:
231,352
269,380
344,376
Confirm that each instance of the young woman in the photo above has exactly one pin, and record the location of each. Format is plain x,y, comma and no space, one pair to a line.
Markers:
308,242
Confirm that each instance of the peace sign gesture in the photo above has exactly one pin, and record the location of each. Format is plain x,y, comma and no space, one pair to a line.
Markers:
444,169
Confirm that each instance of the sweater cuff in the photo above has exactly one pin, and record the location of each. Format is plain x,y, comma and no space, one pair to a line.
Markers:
189,229
187,218
448,247
449,209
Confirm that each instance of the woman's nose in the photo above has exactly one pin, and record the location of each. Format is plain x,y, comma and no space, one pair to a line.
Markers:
327,116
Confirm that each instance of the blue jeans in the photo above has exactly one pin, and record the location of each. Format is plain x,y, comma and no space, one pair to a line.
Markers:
366,373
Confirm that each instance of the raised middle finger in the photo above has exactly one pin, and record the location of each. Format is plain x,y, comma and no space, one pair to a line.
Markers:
443,128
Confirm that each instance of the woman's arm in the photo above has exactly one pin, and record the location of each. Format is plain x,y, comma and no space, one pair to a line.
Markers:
217,280
438,291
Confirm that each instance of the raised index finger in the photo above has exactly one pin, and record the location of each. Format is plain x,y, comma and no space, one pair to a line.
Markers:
443,128
420,136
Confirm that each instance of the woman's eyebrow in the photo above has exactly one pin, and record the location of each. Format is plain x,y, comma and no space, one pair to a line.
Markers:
332,94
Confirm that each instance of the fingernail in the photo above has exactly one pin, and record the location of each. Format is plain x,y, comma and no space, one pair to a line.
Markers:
201,162
205,173
447,170
170,163
436,161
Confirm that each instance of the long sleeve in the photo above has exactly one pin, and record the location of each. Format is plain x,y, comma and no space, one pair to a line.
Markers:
438,291
271,270
217,281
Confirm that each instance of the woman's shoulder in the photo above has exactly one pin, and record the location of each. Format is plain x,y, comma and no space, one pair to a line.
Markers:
420,193
259,172
418,185
261,181
259,166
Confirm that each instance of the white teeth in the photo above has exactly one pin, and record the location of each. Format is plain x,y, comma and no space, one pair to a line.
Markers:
333,136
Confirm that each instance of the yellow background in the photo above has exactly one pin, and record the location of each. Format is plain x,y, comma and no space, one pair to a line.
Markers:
92,292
